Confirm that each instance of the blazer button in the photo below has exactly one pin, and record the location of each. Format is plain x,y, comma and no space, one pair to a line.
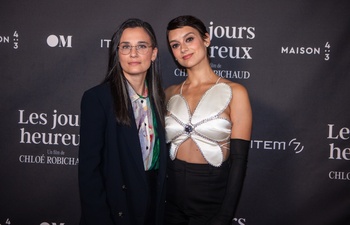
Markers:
120,214
124,187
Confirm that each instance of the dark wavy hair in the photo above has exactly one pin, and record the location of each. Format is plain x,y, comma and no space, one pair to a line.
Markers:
117,80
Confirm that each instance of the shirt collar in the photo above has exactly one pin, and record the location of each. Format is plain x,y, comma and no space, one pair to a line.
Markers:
133,95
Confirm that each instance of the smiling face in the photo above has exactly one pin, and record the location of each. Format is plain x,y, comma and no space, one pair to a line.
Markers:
188,46
134,63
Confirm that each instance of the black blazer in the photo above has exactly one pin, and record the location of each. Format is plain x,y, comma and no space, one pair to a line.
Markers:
112,180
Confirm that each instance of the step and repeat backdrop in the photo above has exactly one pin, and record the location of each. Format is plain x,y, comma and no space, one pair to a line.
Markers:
292,56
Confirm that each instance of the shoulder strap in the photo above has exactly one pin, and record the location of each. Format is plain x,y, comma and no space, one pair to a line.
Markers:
182,87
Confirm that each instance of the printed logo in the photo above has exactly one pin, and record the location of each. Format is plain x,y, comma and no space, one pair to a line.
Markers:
293,145
105,43
11,40
325,51
238,221
59,41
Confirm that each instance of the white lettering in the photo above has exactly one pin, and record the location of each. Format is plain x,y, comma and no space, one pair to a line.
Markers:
232,74
231,52
33,118
301,50
4,39
231,32
105,43
62,160
180,72
32,159
63,120
340,154
268,145
337,175
49,138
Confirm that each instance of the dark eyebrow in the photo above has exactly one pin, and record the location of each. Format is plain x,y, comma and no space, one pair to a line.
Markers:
189,33
142,42
139,42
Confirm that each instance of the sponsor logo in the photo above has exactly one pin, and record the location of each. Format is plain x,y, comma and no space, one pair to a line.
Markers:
303,50
105,43
10,40
292,144
239,221
60,41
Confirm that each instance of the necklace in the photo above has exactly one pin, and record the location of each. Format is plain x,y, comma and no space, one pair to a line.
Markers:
145,91
143,97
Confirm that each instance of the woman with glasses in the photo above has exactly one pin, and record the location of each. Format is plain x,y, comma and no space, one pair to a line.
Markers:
122,152
208,124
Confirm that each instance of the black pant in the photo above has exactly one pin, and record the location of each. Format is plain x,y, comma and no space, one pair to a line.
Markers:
152,177
194,192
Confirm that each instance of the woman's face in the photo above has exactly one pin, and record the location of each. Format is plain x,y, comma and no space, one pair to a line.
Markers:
188,46
135,52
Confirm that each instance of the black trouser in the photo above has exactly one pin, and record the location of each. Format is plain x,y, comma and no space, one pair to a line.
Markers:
152,177
194,192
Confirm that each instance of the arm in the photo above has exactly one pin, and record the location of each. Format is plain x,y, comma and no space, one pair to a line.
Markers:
241,117
239,155
94,208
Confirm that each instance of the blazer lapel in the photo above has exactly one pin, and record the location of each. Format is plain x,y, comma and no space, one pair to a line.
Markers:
133,142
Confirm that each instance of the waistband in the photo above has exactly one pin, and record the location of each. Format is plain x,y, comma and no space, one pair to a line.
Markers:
181,165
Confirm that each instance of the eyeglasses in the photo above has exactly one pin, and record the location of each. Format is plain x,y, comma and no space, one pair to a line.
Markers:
125,49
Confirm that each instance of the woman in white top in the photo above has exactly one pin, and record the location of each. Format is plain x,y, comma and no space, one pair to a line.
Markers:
208,126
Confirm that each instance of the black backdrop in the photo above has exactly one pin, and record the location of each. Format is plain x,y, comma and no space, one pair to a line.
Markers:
293,57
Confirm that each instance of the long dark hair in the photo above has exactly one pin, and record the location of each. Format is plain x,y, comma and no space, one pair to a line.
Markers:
117,80
187,20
